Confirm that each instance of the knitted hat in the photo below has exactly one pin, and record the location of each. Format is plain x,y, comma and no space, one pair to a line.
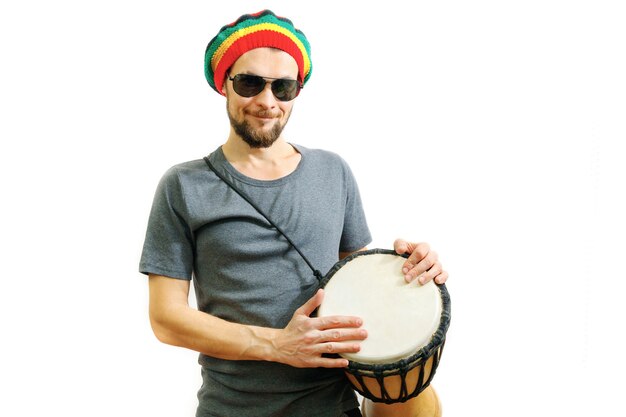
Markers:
250,31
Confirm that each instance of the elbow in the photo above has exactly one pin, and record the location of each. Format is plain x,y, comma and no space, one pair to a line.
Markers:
160,329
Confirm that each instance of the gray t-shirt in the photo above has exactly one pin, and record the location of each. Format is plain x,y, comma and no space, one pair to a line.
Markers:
244,271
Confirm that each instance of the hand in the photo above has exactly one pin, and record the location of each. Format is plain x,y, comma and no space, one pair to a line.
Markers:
422,262
305,339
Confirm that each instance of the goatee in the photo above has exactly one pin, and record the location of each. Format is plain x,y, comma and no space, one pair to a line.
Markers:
255,138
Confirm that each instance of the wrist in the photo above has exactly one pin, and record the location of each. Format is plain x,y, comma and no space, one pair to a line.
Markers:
261,344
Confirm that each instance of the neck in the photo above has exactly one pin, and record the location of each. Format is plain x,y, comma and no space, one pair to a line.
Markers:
237,149
271,163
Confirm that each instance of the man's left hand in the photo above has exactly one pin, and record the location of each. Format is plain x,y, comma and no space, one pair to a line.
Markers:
422,264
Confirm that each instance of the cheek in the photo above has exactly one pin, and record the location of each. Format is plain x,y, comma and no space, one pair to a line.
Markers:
234,105
286,109
288,113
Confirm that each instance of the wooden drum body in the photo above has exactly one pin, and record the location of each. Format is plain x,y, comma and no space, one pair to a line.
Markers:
406,324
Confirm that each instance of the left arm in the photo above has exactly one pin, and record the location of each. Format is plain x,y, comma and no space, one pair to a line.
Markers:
346,254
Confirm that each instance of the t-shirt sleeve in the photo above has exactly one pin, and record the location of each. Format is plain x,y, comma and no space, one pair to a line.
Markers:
356,233
168,246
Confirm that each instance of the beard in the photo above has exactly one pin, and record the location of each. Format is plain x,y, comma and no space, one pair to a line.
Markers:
255,138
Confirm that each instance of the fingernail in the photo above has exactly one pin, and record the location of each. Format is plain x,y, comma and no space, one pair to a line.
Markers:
407,278
405,270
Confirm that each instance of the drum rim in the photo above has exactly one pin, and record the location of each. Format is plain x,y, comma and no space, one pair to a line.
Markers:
425,352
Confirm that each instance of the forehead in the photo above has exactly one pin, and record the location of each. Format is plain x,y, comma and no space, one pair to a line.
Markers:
267,62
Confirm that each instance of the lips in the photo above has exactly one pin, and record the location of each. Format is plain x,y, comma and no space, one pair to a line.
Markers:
264,114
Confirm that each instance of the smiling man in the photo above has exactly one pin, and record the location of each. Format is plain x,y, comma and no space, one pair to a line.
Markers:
261,351
267,121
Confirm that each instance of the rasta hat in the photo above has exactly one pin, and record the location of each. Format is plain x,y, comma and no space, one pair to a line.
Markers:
250,31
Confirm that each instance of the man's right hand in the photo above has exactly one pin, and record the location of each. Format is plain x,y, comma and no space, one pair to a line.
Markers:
305,339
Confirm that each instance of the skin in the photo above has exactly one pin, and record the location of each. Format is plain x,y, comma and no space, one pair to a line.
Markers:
303,341
263,113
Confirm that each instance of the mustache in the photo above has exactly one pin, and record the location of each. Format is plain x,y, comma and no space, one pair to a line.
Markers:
264,113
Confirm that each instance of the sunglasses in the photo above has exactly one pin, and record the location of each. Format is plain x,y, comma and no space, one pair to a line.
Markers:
247,85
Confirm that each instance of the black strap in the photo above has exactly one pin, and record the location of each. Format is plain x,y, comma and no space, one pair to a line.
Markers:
355,412
317,273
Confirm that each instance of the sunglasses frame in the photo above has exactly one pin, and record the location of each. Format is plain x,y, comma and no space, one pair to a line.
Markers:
271,81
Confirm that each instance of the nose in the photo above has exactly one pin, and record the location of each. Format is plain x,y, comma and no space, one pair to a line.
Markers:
266,97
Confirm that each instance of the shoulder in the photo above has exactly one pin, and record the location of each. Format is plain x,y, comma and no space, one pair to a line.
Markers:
187,168
182,178
184,172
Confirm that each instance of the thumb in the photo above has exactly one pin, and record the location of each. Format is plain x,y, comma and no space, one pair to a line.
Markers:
313,303
401,246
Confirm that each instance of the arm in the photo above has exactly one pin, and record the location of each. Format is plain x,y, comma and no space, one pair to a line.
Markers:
346,254
301,343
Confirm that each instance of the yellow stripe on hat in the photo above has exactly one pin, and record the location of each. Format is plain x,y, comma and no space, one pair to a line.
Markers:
219,53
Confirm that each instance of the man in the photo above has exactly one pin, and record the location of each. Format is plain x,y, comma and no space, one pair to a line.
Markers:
261,351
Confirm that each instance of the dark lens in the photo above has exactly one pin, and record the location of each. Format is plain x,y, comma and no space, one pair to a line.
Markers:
248,85
285,90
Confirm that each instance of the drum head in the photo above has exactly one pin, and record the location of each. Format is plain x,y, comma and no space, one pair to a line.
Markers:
400,318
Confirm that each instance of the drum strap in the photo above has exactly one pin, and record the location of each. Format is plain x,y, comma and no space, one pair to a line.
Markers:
316,272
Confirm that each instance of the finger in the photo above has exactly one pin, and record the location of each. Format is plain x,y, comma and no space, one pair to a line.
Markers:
417,269
429,261
336,347
418,251
441,278
336,322
313,303
401,246
430,274
341,335
322,362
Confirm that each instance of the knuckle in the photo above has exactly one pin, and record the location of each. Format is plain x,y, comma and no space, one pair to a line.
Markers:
423,248
333,322
326,322
310,337
428,263
418,255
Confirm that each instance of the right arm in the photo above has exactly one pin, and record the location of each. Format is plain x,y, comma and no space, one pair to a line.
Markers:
301,343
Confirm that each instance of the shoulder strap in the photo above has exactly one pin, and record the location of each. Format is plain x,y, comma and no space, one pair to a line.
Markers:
316,272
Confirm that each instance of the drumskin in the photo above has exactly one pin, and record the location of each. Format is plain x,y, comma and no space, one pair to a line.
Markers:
244,271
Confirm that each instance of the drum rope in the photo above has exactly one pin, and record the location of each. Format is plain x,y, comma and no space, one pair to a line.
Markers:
316,272
400,369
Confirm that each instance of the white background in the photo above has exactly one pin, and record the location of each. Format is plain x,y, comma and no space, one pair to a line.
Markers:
491,129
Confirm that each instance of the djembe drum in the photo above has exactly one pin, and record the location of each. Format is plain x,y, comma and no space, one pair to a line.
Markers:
406,324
